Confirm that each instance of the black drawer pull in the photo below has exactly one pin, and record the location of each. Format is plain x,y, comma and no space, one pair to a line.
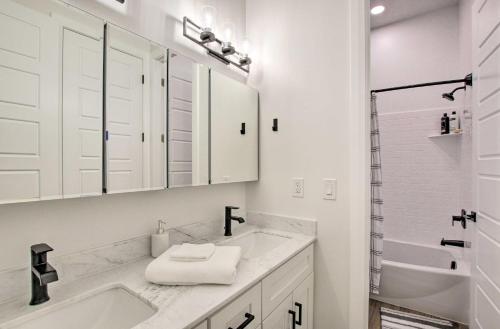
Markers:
294,315
250,318
299,305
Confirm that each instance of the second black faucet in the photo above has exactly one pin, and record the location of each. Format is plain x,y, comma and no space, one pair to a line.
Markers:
228,218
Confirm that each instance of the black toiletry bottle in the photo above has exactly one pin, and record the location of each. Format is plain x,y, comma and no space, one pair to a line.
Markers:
445,124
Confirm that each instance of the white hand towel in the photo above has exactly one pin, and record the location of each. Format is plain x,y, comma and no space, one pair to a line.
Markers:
218,269
189,252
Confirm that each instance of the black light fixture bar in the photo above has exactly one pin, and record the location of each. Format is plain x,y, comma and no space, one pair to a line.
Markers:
215,54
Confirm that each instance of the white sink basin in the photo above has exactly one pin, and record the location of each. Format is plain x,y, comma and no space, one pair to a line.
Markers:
256,244
113,308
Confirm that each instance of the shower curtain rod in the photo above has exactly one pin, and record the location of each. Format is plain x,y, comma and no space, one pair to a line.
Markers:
467,80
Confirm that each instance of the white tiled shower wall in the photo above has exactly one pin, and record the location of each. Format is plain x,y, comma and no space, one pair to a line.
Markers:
425,180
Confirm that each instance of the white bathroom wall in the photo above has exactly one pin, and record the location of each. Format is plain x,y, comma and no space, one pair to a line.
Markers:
73,225
302,72
426,180
421,49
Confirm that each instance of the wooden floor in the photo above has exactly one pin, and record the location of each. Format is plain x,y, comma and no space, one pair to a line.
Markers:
374,319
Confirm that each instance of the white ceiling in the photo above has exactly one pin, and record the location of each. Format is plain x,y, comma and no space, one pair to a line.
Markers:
398,10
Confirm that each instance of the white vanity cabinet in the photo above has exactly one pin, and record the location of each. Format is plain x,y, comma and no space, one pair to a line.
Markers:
245,311
203,325
271,302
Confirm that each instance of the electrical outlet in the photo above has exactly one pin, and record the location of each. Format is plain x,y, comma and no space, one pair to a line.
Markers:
298,187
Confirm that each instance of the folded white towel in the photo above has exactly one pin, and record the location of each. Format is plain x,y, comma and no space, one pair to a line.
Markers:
189,252
218,269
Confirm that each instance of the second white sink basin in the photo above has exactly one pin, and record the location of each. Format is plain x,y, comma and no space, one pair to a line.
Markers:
113,308
256,244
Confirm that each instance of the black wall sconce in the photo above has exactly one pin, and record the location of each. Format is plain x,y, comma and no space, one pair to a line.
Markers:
275,124
220,50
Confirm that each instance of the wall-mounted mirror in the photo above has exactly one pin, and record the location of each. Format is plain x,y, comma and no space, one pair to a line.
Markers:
50,102
234,130
135,113
83,109
188,85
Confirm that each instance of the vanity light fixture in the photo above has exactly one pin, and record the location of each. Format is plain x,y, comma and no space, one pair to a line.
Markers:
222,50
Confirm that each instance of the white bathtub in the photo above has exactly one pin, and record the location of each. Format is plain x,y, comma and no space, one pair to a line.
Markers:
419,277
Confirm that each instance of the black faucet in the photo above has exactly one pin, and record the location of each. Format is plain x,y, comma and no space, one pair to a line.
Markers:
42,273
456,243
228,218
463,218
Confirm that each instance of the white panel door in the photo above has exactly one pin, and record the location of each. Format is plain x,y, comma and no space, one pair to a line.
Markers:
82,115
158,120
30,163
303,301
124,119
234,130
486,265
180,116
280,318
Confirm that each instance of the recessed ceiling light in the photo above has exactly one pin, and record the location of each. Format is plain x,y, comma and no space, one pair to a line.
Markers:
377,10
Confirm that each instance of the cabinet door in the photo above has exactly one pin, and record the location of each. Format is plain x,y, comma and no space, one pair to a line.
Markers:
30,148
303,299
280,318
245,309
158,120
233,130
124,114
283,281
203,325
82,115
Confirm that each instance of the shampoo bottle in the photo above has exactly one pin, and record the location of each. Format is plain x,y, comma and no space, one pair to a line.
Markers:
445,124
453,123
159,240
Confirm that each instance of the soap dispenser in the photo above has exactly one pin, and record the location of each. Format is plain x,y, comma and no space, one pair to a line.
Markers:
160,240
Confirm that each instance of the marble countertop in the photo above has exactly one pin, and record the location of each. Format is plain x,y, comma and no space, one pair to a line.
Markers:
179,307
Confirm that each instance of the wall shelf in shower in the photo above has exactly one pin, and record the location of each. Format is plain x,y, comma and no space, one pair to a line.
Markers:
446,136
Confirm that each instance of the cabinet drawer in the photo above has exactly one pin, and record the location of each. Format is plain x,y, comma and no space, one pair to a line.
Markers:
239,310
280,284
203,325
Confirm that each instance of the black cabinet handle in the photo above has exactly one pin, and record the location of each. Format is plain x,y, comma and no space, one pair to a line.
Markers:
299,305
243,128
294,321
250,318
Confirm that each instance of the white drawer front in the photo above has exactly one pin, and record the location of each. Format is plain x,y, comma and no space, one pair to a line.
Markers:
203,325
234,314
279,284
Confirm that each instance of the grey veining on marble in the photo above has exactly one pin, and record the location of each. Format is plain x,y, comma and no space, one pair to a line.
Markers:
179,307
71,267
304,226
16,282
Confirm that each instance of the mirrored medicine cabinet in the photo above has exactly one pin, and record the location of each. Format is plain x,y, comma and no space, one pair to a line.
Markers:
88,108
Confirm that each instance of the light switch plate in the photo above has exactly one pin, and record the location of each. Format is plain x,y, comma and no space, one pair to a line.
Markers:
329,189
298,187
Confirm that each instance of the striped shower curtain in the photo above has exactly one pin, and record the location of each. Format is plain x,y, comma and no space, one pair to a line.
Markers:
377,219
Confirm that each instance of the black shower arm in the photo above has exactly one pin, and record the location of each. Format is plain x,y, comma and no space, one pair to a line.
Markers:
467,81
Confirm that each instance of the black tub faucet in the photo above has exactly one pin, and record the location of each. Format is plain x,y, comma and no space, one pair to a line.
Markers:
229,218
456,243
42,273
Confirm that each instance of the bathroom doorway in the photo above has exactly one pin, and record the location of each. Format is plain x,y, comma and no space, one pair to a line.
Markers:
435,229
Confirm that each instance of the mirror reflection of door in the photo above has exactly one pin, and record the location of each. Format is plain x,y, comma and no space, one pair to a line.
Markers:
234,141
187,122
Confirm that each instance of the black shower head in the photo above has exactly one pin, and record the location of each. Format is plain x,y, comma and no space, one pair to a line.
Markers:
449,96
